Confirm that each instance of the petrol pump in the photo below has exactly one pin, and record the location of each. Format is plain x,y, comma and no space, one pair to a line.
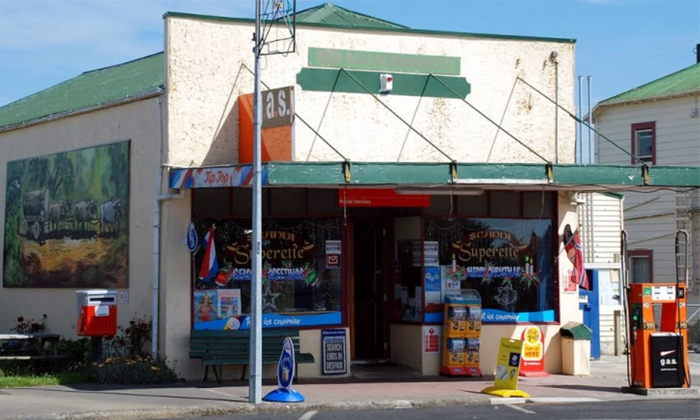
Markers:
657,354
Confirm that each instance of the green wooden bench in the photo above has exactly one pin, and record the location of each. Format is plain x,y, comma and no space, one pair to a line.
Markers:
219,348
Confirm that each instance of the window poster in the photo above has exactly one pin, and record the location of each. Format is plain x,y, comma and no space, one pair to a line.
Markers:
298,287
508,261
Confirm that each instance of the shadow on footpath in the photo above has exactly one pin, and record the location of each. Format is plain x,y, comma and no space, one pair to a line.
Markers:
590,388
110,390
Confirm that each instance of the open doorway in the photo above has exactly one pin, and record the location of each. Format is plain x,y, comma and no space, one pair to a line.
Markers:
369,271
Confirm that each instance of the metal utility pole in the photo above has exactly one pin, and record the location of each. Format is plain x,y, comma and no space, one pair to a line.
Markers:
590,124
255,381
579,127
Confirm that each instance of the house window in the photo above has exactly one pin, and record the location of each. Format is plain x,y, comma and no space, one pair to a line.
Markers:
644,142
641,266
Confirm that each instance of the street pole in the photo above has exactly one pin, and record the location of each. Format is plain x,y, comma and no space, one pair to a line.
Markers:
579,126
591,150
255,381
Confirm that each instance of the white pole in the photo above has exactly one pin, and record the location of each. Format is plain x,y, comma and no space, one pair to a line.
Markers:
590,123
255,383
579,126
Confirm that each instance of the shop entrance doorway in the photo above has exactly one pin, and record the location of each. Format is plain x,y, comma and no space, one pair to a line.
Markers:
369,274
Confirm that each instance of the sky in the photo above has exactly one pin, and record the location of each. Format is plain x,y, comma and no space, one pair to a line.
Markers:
621,43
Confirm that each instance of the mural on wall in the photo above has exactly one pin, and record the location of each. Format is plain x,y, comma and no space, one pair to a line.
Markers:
66,219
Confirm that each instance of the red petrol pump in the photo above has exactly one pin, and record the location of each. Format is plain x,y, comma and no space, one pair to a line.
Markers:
657,355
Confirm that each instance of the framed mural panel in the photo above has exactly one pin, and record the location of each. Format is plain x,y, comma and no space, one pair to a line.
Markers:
67,219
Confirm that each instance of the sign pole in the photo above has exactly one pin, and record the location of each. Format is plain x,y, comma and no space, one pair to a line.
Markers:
255,382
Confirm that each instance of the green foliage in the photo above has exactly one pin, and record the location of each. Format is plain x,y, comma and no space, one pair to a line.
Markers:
133,371
78,354
66,378
130,340
28,325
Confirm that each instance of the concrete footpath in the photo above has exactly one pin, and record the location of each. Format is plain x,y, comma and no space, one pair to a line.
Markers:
207,398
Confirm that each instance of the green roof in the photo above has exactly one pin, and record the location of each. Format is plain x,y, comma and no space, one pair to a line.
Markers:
331,14
680,82
94,88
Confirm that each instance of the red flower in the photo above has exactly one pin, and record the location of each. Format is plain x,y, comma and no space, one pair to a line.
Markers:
132,322
127,331
20,319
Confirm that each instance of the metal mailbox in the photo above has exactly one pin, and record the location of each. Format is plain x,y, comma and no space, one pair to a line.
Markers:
97,313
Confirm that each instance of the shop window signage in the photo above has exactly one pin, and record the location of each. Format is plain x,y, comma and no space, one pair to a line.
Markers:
510,262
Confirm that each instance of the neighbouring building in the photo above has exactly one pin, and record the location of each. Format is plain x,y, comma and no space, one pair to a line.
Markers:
659,123
400,165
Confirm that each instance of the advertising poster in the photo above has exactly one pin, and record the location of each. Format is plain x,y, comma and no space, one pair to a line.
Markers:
508,365
299,289
229,303
333,345
205,305
431,339
532,361
509,262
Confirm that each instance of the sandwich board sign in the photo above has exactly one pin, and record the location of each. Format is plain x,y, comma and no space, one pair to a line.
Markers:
285,377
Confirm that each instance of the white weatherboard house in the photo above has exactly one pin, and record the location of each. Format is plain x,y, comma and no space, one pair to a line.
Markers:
659,122
461,147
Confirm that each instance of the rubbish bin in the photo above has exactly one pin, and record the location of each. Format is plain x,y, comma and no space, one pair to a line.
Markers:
576,349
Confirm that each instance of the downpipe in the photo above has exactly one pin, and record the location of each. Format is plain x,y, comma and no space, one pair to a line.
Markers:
159,197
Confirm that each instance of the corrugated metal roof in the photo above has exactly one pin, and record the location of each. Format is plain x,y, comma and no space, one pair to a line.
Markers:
680,82
91,89
331,14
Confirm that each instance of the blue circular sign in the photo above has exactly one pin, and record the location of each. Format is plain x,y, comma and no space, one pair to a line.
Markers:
192,239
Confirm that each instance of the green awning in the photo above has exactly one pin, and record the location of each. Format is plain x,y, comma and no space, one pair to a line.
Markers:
511,176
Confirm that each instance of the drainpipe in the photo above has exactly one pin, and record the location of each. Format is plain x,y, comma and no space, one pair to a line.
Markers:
553,57
155,318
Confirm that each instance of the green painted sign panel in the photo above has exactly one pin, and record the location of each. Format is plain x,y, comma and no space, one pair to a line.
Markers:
328,80
647,291
370,60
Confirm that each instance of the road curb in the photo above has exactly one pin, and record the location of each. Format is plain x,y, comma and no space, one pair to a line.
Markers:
244,408
389,404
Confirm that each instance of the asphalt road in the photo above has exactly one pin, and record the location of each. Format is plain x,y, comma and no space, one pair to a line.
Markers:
639,410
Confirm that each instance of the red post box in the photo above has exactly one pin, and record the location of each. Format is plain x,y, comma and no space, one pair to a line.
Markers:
97,313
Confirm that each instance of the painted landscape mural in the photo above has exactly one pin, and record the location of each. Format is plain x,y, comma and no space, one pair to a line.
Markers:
66,219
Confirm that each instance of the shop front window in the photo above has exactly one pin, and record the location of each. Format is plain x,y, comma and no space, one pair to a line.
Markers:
301,276
508,261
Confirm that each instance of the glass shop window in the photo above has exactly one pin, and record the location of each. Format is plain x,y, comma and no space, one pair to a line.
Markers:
211,202
301,274
508,261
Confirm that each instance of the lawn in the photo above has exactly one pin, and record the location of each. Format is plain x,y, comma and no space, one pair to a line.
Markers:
16,381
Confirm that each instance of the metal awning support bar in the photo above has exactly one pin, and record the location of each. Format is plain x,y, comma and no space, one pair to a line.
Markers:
396,115
487,118
296,115
587,125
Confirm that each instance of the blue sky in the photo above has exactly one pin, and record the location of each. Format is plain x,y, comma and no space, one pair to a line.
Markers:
622,44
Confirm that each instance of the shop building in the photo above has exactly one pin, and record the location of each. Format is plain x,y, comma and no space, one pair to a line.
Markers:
376,204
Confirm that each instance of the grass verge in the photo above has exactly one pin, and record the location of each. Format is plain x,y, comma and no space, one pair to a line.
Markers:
20,381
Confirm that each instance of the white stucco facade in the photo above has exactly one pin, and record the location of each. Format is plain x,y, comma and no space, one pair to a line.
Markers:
137,122
203,76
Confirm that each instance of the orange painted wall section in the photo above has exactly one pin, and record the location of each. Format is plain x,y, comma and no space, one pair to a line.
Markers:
277,142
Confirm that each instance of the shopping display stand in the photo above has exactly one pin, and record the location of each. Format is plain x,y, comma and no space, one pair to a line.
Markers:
462,330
